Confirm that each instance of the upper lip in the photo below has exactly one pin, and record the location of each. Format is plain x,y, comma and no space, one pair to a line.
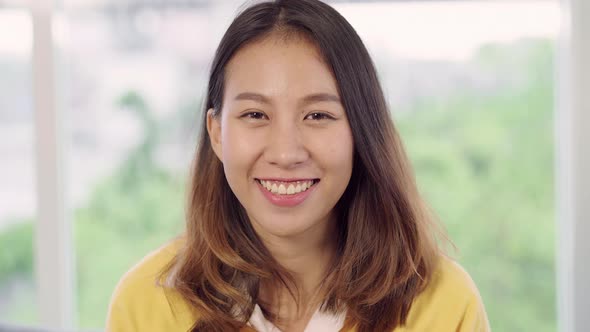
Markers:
278,179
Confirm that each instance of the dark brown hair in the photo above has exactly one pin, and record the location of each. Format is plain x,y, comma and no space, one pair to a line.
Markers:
386,248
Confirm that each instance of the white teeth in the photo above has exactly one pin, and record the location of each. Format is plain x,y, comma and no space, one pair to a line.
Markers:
290,190
286,189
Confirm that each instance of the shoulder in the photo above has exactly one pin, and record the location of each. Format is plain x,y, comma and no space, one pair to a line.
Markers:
140,303
450,278
450,302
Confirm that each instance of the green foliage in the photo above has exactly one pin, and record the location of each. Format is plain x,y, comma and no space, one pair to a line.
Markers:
486,166
16,256
129,214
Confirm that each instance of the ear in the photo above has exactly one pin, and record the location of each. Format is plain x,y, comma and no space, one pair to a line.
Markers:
214,130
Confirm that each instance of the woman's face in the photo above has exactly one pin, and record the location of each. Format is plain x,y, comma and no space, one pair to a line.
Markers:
283,136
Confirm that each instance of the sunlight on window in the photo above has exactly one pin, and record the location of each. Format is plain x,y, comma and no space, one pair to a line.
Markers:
452,30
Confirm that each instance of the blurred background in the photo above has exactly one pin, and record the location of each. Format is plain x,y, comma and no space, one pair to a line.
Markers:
470,85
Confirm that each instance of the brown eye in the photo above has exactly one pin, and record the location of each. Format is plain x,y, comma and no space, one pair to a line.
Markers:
254,116
318,116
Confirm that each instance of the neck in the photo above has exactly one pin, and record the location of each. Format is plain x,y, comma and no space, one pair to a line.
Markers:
306,257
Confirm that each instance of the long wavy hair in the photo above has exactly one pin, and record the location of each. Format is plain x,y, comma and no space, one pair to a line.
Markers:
387,246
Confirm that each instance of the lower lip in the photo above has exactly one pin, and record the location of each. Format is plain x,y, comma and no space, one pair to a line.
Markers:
286,200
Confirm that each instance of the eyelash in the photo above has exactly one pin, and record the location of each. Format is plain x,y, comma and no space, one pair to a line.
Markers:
254,115
323,116
260,116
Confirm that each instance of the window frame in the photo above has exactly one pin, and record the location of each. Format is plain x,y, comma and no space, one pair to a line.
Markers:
572,165
53,255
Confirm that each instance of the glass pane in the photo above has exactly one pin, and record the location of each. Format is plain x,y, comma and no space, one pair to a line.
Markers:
134,80
17,172
472,98
474,106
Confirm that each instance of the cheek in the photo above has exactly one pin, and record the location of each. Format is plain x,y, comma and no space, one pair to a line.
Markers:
333,153
339,150
239,150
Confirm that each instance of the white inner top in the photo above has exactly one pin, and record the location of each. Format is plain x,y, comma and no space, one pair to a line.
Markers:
320,322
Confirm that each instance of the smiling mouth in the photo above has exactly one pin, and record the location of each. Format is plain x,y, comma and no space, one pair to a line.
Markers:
287,187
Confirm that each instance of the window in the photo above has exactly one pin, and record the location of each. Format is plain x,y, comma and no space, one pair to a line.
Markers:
135,82
473,100
471,94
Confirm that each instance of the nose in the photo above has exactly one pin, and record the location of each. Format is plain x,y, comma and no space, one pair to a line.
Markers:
285,146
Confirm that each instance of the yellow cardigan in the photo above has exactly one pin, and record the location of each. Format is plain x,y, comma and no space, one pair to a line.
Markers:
451,302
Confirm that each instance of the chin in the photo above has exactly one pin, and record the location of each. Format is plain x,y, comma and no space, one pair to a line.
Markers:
283,227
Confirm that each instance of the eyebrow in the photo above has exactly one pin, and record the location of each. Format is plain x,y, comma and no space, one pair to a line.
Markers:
309,99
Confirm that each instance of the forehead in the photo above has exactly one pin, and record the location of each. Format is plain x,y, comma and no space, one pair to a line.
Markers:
279,66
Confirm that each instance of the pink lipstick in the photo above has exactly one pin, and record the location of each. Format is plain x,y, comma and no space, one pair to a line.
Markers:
287,197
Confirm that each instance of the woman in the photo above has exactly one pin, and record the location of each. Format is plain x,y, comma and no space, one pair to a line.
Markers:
303,213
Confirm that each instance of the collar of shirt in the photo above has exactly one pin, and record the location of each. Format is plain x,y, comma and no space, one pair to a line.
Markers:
320,322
